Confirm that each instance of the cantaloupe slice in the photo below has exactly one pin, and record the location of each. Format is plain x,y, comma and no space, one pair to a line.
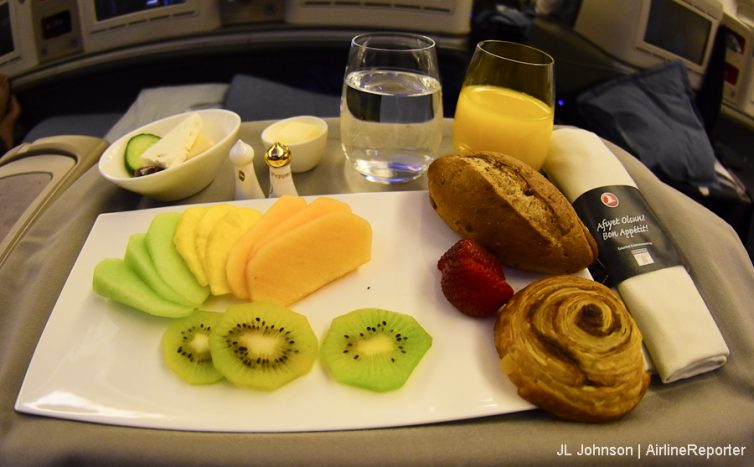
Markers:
221,239
138,259
204,227
115,280
313,210
168,261
294,218
185,241
293,265
281,209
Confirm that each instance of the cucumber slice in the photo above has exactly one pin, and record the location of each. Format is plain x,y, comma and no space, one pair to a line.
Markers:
134,149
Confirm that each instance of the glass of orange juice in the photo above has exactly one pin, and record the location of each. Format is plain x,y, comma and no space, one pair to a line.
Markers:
507,102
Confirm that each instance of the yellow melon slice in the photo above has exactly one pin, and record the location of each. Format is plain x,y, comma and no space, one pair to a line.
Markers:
284,207
185,241
293,265
206,224
221,239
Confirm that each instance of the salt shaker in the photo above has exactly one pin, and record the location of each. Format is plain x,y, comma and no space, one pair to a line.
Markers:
247,185
278,158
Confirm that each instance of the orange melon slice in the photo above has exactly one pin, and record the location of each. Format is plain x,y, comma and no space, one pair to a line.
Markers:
283,208
298,262
313,210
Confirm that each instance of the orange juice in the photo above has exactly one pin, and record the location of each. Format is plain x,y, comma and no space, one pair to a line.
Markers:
491,118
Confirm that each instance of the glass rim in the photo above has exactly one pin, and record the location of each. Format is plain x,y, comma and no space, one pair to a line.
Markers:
429,43
546,59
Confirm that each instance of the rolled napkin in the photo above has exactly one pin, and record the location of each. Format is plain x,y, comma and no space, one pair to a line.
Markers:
679,332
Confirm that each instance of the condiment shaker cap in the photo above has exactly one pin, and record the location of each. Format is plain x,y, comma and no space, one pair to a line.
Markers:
278,155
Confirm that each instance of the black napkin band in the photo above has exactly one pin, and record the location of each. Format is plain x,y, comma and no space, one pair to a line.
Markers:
630,238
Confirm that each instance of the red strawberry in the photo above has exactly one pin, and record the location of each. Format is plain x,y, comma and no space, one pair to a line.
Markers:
467,248
472,279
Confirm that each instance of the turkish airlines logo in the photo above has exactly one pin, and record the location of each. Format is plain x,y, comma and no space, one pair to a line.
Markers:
609,199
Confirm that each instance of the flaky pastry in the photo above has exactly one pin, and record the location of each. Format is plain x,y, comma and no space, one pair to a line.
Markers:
571,347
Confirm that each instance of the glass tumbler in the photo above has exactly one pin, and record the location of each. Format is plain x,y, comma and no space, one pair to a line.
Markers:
391,108
507,102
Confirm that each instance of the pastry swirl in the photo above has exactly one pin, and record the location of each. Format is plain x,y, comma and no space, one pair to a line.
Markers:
571,347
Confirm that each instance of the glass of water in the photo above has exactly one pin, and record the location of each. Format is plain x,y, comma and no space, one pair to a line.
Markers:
391,109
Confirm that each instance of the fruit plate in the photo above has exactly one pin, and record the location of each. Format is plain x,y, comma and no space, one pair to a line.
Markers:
98,361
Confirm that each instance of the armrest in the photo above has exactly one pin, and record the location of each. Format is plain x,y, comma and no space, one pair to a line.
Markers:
33,175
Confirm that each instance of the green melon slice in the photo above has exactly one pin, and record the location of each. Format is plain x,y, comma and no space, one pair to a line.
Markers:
113,279
168,261
138,259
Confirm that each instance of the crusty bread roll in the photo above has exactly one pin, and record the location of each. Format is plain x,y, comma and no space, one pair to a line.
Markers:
512,210
571,347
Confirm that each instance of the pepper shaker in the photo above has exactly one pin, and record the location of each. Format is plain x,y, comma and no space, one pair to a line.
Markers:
278,159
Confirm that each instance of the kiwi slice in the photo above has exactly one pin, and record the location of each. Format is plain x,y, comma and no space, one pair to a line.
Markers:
373,348
263,345
185,347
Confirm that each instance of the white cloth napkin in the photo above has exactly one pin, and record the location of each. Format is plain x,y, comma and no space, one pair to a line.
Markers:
679,332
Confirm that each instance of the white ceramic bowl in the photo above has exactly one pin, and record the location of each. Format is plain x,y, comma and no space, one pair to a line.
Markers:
307,146
186,178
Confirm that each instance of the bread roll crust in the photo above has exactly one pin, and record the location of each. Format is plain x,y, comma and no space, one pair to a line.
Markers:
571,347
511,209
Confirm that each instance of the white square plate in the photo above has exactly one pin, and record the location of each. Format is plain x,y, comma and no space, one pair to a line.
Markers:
98,361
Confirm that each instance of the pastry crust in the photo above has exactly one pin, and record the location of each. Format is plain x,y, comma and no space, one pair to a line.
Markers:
512,210
571,347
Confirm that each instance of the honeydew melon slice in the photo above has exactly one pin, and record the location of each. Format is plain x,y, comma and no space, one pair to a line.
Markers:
291,266
185,241
281,209
168,261
221,239
115,280
138,259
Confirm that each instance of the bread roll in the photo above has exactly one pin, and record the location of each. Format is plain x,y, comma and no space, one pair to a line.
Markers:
571,347
512,210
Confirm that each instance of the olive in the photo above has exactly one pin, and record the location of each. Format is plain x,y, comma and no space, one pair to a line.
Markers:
146,170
